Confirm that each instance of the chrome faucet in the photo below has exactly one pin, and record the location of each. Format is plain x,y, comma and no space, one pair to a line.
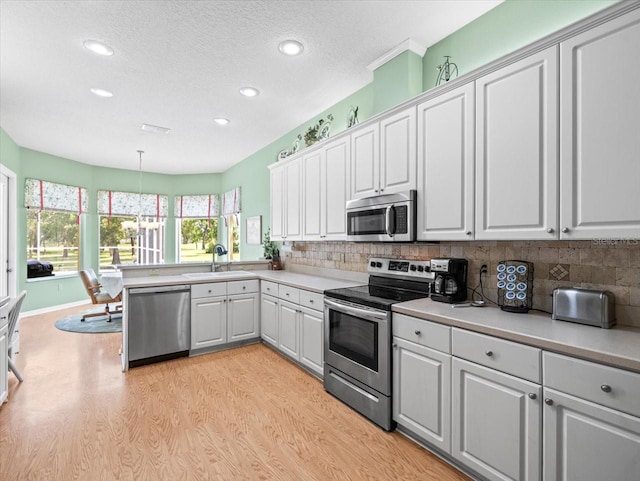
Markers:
221,251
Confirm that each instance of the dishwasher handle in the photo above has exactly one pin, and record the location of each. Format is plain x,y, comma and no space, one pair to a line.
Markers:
160,289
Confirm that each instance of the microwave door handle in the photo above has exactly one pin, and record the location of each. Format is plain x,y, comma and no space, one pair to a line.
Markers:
390,221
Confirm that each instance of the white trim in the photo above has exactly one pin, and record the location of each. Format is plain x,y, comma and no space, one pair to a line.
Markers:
44,310
409,44
12,238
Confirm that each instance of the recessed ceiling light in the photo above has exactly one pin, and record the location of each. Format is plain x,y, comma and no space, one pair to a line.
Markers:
249,91
98,47
221,121
102,93
155,129
291,47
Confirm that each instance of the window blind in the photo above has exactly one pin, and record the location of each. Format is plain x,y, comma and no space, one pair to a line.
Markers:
125,204
196,206
231,202
44,195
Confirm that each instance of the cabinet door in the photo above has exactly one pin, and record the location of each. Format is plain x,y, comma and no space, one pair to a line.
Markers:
600,122
208,322
335,189
398,161
421,392
584,441
4,364
293,203
242,315
365,162
496,423
446,166
269,319
312,195
288,329
276,186
311,340
517,150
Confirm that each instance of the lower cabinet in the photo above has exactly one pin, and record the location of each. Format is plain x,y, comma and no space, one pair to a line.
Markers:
269,319
208,322
242,317
311,345
4,364
288,328
496,422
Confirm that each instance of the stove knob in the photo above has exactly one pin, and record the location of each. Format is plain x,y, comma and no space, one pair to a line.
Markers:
378,264
413,267
420,268
373,264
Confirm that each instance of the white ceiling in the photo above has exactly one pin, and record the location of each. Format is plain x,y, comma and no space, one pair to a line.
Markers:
179,64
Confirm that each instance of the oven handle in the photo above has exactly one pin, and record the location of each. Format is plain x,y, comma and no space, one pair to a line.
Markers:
378,316
389,226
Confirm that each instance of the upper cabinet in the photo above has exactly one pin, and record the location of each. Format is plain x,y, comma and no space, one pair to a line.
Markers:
326,191
285,185
383,156
446,166
600,125
517,150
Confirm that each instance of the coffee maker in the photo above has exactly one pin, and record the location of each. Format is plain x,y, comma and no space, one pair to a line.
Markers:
450,283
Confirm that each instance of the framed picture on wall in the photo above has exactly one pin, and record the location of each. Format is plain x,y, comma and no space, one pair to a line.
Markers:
254,230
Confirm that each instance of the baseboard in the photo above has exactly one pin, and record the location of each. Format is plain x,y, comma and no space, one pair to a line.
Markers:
44,310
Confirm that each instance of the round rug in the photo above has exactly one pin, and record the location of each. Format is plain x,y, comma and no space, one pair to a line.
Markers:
91,325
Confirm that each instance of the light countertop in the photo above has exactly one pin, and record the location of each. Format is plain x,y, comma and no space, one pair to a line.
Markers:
619,346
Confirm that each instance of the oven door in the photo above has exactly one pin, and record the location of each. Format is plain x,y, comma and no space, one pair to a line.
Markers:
358,342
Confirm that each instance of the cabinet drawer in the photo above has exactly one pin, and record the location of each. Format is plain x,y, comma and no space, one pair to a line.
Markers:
425,333
208,290
609,386
506,356
267,287
242,287
288,293
312,300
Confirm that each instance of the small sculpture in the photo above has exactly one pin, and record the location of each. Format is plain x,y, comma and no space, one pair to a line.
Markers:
446,70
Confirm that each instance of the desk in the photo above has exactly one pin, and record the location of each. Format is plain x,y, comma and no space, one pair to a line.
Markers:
111,283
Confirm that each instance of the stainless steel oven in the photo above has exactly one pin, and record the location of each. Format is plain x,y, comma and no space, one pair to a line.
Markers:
384,218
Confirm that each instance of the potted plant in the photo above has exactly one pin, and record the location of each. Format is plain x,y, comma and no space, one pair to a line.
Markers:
271,251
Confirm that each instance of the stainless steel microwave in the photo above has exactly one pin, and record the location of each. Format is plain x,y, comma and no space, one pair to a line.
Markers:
383,218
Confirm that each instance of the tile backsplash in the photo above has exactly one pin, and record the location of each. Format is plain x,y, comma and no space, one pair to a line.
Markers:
608,265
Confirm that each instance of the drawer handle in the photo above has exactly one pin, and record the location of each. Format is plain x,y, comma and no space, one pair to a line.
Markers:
548,401
268,288
489,353
209,291
605,388
244,287
310,301
532,395
417,332
286,293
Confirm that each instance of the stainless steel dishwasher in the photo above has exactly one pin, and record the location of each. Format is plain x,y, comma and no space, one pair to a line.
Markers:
159,323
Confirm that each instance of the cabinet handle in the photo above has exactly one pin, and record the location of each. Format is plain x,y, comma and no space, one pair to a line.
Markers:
268,288
244,287
209,291
532,395
468,232
395,346
381,189
310,301
224,300
417,332
286,293
548,401
605,388
550,230
565,230
489,353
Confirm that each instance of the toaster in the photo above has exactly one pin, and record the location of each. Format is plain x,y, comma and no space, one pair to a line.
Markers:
584,306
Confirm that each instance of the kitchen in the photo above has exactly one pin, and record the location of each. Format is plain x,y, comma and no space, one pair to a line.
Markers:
587,261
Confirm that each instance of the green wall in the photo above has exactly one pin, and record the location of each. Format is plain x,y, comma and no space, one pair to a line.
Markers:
502,30
397,80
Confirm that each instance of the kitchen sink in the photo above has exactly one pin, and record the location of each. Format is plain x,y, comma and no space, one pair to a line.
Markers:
216,275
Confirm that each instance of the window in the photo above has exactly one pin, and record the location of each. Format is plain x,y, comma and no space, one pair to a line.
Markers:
196,226
53,225
132,228
54,237
233,237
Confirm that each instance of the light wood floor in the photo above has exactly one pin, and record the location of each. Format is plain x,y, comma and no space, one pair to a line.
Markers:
243,414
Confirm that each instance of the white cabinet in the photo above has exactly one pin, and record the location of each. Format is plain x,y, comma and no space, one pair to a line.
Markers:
4,363
446,166
286,212
269,319
326,191
311,337
496,422
383,156
288,328
398,152
600,122
517,150
243,319
584,441
421,392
